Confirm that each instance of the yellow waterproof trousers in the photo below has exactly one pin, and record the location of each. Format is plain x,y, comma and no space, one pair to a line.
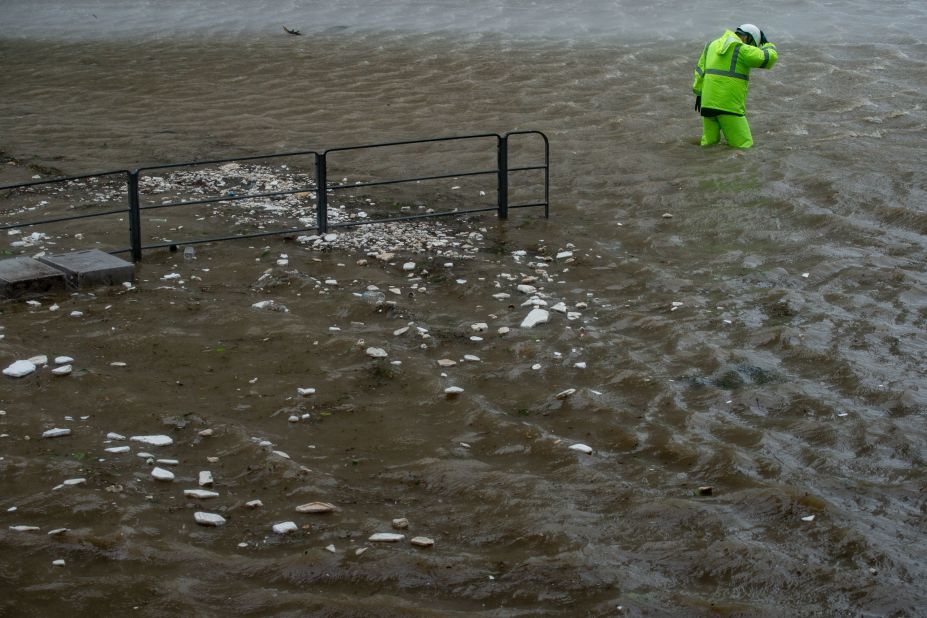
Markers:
736,131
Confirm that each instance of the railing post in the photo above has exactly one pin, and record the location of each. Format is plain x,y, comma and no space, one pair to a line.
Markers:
321,181
135,217
503,176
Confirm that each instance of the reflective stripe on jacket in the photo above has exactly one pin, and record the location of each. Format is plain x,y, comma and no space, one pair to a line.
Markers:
722,74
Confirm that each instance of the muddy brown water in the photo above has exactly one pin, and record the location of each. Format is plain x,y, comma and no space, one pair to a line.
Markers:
789,378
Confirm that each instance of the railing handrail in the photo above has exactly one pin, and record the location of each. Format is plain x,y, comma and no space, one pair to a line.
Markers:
321,189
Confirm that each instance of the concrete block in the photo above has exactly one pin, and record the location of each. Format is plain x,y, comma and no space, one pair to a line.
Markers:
24,276
91,268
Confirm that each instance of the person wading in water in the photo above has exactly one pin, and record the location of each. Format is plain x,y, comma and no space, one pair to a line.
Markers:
722,78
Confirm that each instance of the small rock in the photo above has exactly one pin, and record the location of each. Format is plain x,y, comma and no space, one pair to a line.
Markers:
504,330
376,353
446,362
77,481
386,537
330,237
582,448
808,518
115,436
331,548
400,523
408,266
566,393
480,327
160,474
453,390
208,519
21,528
41,359
57,531
205,478
58,562
705,490
471,358
285,527
254,504
559,308
63,360
118,449
564,255
168,462
527,289
667,215
422,541
305,392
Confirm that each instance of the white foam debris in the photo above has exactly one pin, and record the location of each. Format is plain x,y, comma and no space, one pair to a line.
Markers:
376,353
386,537
23,528
535,316
62,370
118,364
330,237
208,519
808,518
270,305
56,433
58,531
316,508
201,494
63,360
582,448
153,440
422,541
117,449
205,478
72,482
19,369
285,527
566,393
305,392
160,474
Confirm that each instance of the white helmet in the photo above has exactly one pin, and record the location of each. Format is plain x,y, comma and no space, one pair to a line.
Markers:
752,31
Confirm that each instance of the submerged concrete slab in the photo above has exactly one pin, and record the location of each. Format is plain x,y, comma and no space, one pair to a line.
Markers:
91,267
24,276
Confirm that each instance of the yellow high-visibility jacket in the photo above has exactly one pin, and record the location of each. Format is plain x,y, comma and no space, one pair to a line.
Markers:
722,75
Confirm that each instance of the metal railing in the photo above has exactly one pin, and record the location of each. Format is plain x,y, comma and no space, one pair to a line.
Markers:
322,189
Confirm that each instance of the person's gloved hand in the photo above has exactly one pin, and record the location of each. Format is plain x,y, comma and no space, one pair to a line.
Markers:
698,103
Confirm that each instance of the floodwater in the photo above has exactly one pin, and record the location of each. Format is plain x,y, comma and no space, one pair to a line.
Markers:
767,339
